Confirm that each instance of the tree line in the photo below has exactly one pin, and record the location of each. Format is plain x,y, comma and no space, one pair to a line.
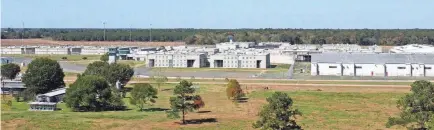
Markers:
213,36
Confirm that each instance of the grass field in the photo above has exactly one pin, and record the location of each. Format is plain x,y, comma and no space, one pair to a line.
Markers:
321,110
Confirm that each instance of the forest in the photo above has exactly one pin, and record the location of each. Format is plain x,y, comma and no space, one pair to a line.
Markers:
388,37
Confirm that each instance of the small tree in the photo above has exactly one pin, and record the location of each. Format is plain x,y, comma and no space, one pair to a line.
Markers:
183,101
233,90
104,57
142,94
417,108
198,102
10,70
43,75
178,78
278,114
159,80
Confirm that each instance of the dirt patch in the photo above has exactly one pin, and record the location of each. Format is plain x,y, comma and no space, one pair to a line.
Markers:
44,42
12,124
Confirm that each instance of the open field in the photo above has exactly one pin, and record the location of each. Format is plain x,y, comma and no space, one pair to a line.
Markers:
326,109
45,42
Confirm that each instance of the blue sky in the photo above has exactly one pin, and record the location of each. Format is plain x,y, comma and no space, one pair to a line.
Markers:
381,14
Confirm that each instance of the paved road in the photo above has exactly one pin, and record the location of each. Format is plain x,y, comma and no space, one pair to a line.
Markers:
288,84
70,67
144,71
67,67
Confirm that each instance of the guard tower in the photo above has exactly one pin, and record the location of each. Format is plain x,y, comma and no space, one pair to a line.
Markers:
113,52
230,38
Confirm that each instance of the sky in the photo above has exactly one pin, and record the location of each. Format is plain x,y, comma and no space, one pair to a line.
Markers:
218,14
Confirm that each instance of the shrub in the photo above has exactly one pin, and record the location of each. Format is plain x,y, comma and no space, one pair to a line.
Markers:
84,58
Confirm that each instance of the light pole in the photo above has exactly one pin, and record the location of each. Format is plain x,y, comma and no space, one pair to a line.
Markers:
130,32
150,33
22,35
104,29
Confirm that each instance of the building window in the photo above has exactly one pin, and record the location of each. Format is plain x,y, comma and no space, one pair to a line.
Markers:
333,67
358,67
427,68
401,68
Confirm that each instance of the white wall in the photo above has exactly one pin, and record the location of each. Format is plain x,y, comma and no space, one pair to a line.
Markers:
429,72
373,69
370,70
392,70
48,51
418,70
325,69
10,50
348,69
313,69
282,58
94,51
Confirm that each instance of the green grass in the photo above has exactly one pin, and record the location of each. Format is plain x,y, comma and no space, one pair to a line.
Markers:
332,110
57,57
321,110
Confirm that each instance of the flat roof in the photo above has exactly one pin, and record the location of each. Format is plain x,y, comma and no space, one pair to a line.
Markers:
372,58
55,92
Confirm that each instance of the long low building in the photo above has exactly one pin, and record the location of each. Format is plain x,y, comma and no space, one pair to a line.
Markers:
372,64
53,50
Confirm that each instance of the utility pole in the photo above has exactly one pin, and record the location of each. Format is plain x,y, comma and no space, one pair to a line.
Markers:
104,29
22,34
130,32
150,33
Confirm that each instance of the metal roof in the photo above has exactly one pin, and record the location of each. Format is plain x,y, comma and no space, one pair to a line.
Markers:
373,58
12,84
55,92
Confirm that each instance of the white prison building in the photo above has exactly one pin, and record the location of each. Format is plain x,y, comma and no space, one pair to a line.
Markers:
176,59
240,60
362,64
53,50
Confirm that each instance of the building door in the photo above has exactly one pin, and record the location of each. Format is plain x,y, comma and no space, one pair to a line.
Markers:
258,64
190,63
151,63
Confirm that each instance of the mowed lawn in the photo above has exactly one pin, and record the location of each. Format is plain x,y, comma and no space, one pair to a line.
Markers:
321,110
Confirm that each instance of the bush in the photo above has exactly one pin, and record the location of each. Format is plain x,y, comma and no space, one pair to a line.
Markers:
233,90
64,58
84,58
6,104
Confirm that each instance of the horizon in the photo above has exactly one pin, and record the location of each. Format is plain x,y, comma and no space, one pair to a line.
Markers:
224,14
